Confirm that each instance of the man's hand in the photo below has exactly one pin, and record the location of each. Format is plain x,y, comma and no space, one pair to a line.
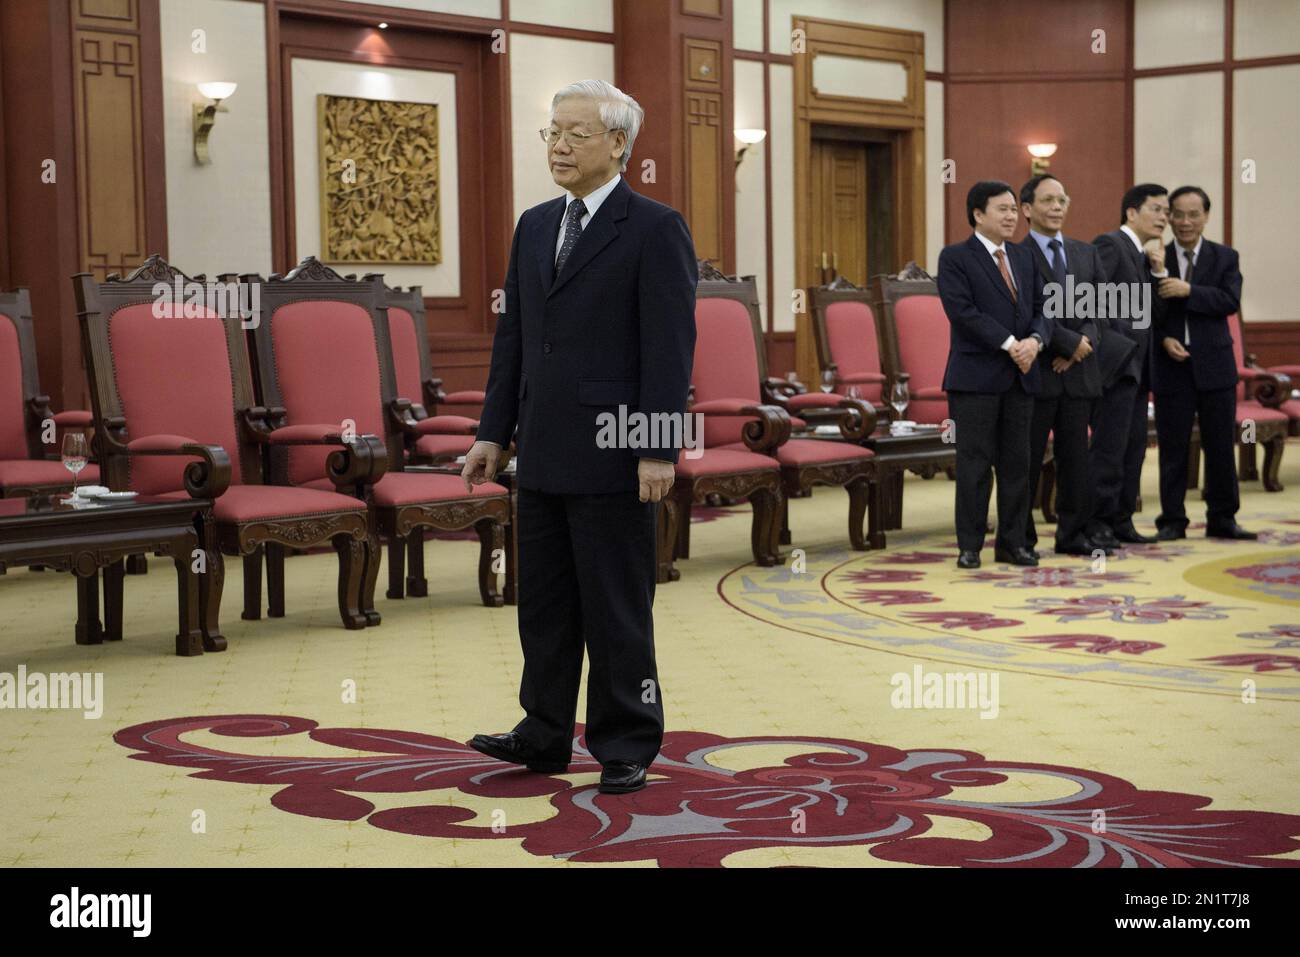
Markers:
1024,352
482,462
1155,254
1060,364
1176,350
1174,289
655,477
1081,351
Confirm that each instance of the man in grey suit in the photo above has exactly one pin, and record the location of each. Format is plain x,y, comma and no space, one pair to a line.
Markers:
1070,372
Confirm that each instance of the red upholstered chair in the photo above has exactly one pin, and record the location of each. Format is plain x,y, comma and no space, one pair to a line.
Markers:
28,465
848,339
324,355
733,391
438,438
174,416
1260,396
922,330
1287,376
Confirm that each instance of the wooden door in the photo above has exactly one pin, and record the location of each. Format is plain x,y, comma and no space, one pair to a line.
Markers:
839,210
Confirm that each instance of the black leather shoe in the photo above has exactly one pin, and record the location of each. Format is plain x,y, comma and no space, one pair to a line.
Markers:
622,777
968,559
512,748
1082,547
1170,533
1103,537
1016,556
1129,535
1231,531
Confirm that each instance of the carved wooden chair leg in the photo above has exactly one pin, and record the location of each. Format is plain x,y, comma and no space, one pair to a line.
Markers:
189,636
666,538
685,497
948,470
274,580
396,568
137,564
1246,469
417,586
114,573
252,585
487,578
859,492
784,513
370,576
876,513
778,498
89,630
1273,462
211,585
352,566
763,502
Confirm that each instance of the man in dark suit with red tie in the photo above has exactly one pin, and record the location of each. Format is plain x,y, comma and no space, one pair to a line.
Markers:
1194,370
599,314
993,297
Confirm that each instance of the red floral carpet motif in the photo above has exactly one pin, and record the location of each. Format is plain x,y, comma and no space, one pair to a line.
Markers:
835,793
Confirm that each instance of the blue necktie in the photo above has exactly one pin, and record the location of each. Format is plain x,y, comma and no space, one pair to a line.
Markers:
572,232
1058,260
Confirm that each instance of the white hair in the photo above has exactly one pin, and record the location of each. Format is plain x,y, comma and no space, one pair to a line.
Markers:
618,111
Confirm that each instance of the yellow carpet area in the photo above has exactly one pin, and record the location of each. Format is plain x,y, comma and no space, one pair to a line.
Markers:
850,708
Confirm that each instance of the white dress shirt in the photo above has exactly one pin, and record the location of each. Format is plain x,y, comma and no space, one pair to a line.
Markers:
1164,273
993,249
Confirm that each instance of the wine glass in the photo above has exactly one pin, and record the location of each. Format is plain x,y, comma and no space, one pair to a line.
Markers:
74,458
828,381
854,392
899,398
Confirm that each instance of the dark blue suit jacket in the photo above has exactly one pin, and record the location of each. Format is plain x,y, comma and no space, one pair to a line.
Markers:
1216,294
616,327
982,314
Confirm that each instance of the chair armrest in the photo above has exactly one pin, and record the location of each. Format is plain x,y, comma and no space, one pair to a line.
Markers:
464,397
73,419
1268,389
446,425
207,478
777,390
769,426
855,417
306,435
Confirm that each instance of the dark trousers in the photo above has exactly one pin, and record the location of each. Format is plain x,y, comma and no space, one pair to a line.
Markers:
1217,413
587,578
1119,446
992,436
1066,418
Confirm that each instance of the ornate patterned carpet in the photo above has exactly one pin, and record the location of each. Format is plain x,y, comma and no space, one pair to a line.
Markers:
847,709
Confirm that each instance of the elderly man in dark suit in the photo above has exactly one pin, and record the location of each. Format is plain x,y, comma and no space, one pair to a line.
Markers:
1134,256
993,298
1068,368
599,314
1194,370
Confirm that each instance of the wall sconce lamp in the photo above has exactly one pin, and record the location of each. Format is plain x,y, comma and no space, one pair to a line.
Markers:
206,116
1040,153
748,138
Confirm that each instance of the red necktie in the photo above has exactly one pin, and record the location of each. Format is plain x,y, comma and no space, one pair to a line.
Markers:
1001,257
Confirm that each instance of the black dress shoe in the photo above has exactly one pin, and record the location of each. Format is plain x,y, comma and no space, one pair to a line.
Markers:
622,777
1015,556
1082,547
512,748
1170,533
968,559
1103,537
1231,531
1129,535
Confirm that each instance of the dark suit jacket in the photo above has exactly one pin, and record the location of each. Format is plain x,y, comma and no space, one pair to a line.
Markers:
982,314
616,327
1216,294
1125,263
1083,379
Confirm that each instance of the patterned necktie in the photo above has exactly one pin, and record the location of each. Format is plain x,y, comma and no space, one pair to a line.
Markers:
1001,257
572,232
1058,260
1187,278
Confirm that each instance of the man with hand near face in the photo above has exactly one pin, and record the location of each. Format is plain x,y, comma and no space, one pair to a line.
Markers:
1194,370
993,298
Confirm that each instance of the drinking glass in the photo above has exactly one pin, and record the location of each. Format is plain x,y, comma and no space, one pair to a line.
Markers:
74,457
828,381
899,398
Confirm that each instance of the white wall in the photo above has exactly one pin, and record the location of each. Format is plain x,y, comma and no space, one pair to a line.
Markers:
934,185
781,138
313,77
218,216
539,66
1176,32
1178,147
578,14
925,16
1265,28
466,8
751,180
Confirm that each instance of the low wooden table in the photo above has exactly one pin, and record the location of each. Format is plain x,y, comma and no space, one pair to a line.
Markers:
505,479
45,530
923,451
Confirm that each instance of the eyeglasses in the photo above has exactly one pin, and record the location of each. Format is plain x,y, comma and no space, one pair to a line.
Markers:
1049,201
571,137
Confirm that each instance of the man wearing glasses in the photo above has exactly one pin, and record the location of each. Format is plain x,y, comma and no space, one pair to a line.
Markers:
599,314
1133,255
